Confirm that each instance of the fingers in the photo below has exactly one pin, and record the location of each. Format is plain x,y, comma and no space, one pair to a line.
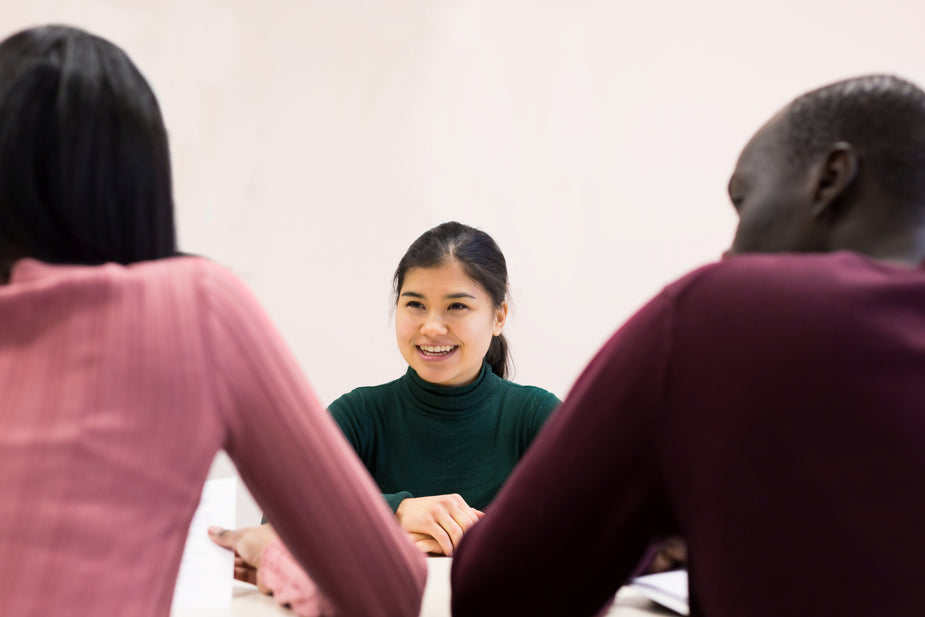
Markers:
659,564
676,549
226,538
246,574
453,518
415,536
429,546
425,543
669,554
443,518
447,532
464,516
247,542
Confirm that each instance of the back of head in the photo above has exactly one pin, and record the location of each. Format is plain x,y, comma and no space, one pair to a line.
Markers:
84,161
480,258
882,117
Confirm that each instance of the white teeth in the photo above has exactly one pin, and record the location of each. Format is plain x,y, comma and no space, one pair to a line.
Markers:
436,348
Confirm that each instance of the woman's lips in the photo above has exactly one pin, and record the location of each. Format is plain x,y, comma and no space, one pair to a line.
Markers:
435,353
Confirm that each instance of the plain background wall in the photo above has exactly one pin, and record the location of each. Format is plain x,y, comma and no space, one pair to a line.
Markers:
314,140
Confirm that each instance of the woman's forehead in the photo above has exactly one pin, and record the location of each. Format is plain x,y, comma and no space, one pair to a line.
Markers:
445,279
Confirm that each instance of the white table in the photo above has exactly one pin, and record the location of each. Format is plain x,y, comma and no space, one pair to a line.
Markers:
248,602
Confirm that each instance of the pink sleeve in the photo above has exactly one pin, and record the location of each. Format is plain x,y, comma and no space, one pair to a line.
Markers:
299,467
280,573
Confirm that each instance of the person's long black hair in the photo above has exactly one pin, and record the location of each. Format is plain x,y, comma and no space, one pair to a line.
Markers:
84,161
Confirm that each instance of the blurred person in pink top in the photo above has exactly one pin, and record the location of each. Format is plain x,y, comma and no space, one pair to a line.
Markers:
125,366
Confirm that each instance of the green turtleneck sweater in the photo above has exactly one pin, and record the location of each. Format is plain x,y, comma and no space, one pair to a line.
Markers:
419,439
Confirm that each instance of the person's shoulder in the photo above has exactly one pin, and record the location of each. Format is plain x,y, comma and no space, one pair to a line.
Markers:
170,276
198,283
760,275
199,268
534,395
365,397
183,272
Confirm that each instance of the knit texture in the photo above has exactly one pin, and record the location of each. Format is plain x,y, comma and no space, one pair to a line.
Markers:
117,387
419,439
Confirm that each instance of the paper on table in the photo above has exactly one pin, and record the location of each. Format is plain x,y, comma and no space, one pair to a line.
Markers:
670,589
206,576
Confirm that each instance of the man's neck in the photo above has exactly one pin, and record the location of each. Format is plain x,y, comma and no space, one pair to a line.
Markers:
906,247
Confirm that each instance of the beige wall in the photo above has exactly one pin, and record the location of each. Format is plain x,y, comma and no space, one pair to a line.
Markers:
313,141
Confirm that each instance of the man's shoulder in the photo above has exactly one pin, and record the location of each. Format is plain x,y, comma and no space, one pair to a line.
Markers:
762,275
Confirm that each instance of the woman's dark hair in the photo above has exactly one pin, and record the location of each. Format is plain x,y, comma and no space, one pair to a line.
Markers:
481,260
84,162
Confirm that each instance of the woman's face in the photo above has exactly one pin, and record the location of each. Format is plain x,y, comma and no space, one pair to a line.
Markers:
444,323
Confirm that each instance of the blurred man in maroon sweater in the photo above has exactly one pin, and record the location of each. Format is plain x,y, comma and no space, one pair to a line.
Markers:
768,408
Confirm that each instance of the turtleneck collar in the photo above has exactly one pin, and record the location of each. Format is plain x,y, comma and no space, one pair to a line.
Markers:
453,401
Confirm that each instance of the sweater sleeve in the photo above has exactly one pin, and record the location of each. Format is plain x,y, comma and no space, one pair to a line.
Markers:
289,584
577,514
350,414
298,466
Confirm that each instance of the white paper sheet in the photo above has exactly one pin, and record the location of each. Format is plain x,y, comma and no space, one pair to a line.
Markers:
206,576
670,589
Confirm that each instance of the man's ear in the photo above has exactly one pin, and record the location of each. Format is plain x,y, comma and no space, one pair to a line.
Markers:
835,173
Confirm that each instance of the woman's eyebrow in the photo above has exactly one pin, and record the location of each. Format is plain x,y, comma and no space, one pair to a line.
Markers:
455,296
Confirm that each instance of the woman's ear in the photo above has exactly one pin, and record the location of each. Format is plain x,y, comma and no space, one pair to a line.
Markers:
835,173
500,318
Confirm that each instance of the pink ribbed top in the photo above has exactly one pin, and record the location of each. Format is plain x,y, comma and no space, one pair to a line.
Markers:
117,387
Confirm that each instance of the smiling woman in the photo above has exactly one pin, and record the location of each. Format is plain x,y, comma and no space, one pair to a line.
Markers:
445,324
442,439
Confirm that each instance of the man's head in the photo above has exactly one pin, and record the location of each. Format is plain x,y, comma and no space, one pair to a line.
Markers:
841,167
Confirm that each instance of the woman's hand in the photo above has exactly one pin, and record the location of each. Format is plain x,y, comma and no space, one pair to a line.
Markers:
670,554
248,544
437,523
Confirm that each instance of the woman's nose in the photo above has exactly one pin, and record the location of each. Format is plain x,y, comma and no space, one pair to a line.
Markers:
433,325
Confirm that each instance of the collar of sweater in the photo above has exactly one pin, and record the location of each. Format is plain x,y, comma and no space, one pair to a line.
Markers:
453,401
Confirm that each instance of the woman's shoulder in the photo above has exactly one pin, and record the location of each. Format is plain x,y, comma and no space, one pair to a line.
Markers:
28,269
532,395
365,397
182,278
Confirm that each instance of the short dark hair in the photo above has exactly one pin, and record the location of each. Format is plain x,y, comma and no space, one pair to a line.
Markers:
881,116
84,160
482,261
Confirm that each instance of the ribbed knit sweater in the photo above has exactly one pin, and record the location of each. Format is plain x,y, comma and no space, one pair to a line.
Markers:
768,408
117,387
419,439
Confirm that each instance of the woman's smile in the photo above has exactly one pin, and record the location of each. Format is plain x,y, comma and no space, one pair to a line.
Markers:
436,353
444,324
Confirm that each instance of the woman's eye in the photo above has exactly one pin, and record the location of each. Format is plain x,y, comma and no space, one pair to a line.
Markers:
458,306
414,304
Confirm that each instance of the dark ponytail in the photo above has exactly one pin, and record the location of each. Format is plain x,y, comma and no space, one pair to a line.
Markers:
481,260
498,356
